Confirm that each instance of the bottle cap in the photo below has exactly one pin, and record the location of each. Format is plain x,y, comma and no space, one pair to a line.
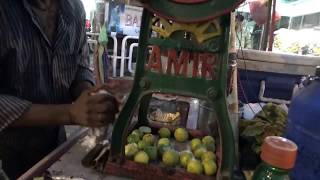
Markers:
279,152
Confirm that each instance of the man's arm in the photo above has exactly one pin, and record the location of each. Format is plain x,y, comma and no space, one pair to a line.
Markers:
18,112
45,115
87,110
84,78
11,108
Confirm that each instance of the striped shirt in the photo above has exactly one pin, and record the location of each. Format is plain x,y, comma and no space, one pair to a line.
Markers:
34,70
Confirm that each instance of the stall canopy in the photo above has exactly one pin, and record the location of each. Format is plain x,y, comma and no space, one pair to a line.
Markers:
291,8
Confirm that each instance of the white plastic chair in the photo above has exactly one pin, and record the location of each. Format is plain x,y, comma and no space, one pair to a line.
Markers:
130,68
123,53
114,55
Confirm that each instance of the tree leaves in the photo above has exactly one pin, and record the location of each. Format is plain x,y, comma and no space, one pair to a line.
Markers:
255,129
270,121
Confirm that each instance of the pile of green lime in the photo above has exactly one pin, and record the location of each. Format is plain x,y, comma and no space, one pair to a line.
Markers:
201,159
141,146
144,147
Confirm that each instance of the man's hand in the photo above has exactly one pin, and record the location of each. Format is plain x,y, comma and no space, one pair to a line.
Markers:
93,108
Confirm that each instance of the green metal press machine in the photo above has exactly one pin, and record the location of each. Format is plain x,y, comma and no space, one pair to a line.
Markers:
186,33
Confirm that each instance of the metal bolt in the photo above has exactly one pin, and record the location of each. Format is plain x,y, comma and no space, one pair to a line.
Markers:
145,84
212,93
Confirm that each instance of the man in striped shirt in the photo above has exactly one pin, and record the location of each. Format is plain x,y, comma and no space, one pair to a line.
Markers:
43,69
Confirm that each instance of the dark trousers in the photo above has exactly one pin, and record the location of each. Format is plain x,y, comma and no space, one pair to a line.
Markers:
22,148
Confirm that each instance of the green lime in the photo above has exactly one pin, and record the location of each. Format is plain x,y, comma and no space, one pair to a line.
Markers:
149,139
152,152
208,140
208,155
194,166
164,141
130,150
141,157
133,138
162,149
142,144
170,158
199,151
138,132
185,158
210,167
195,143
211,147
145,129
181,135
164,133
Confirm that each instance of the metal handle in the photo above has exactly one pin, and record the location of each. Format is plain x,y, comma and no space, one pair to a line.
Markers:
273,100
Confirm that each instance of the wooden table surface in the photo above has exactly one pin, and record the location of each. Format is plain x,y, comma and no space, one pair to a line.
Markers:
69,166
64,163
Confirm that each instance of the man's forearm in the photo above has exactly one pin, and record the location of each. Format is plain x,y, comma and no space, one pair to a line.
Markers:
51,115
45,115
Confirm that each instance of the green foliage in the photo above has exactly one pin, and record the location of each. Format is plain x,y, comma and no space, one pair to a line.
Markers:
316,51
294,48
271,121
277,42
255,129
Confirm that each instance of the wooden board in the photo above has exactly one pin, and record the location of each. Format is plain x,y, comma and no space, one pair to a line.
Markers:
277,62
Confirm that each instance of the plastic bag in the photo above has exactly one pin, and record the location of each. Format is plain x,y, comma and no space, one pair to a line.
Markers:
259,11
103,37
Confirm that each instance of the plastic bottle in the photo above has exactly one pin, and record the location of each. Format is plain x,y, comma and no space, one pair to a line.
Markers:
278,155
304,129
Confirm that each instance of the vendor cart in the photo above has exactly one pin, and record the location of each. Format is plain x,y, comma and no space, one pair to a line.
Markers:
176,34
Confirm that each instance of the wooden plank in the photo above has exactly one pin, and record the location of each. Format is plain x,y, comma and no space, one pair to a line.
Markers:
281,58
277,62
277,67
